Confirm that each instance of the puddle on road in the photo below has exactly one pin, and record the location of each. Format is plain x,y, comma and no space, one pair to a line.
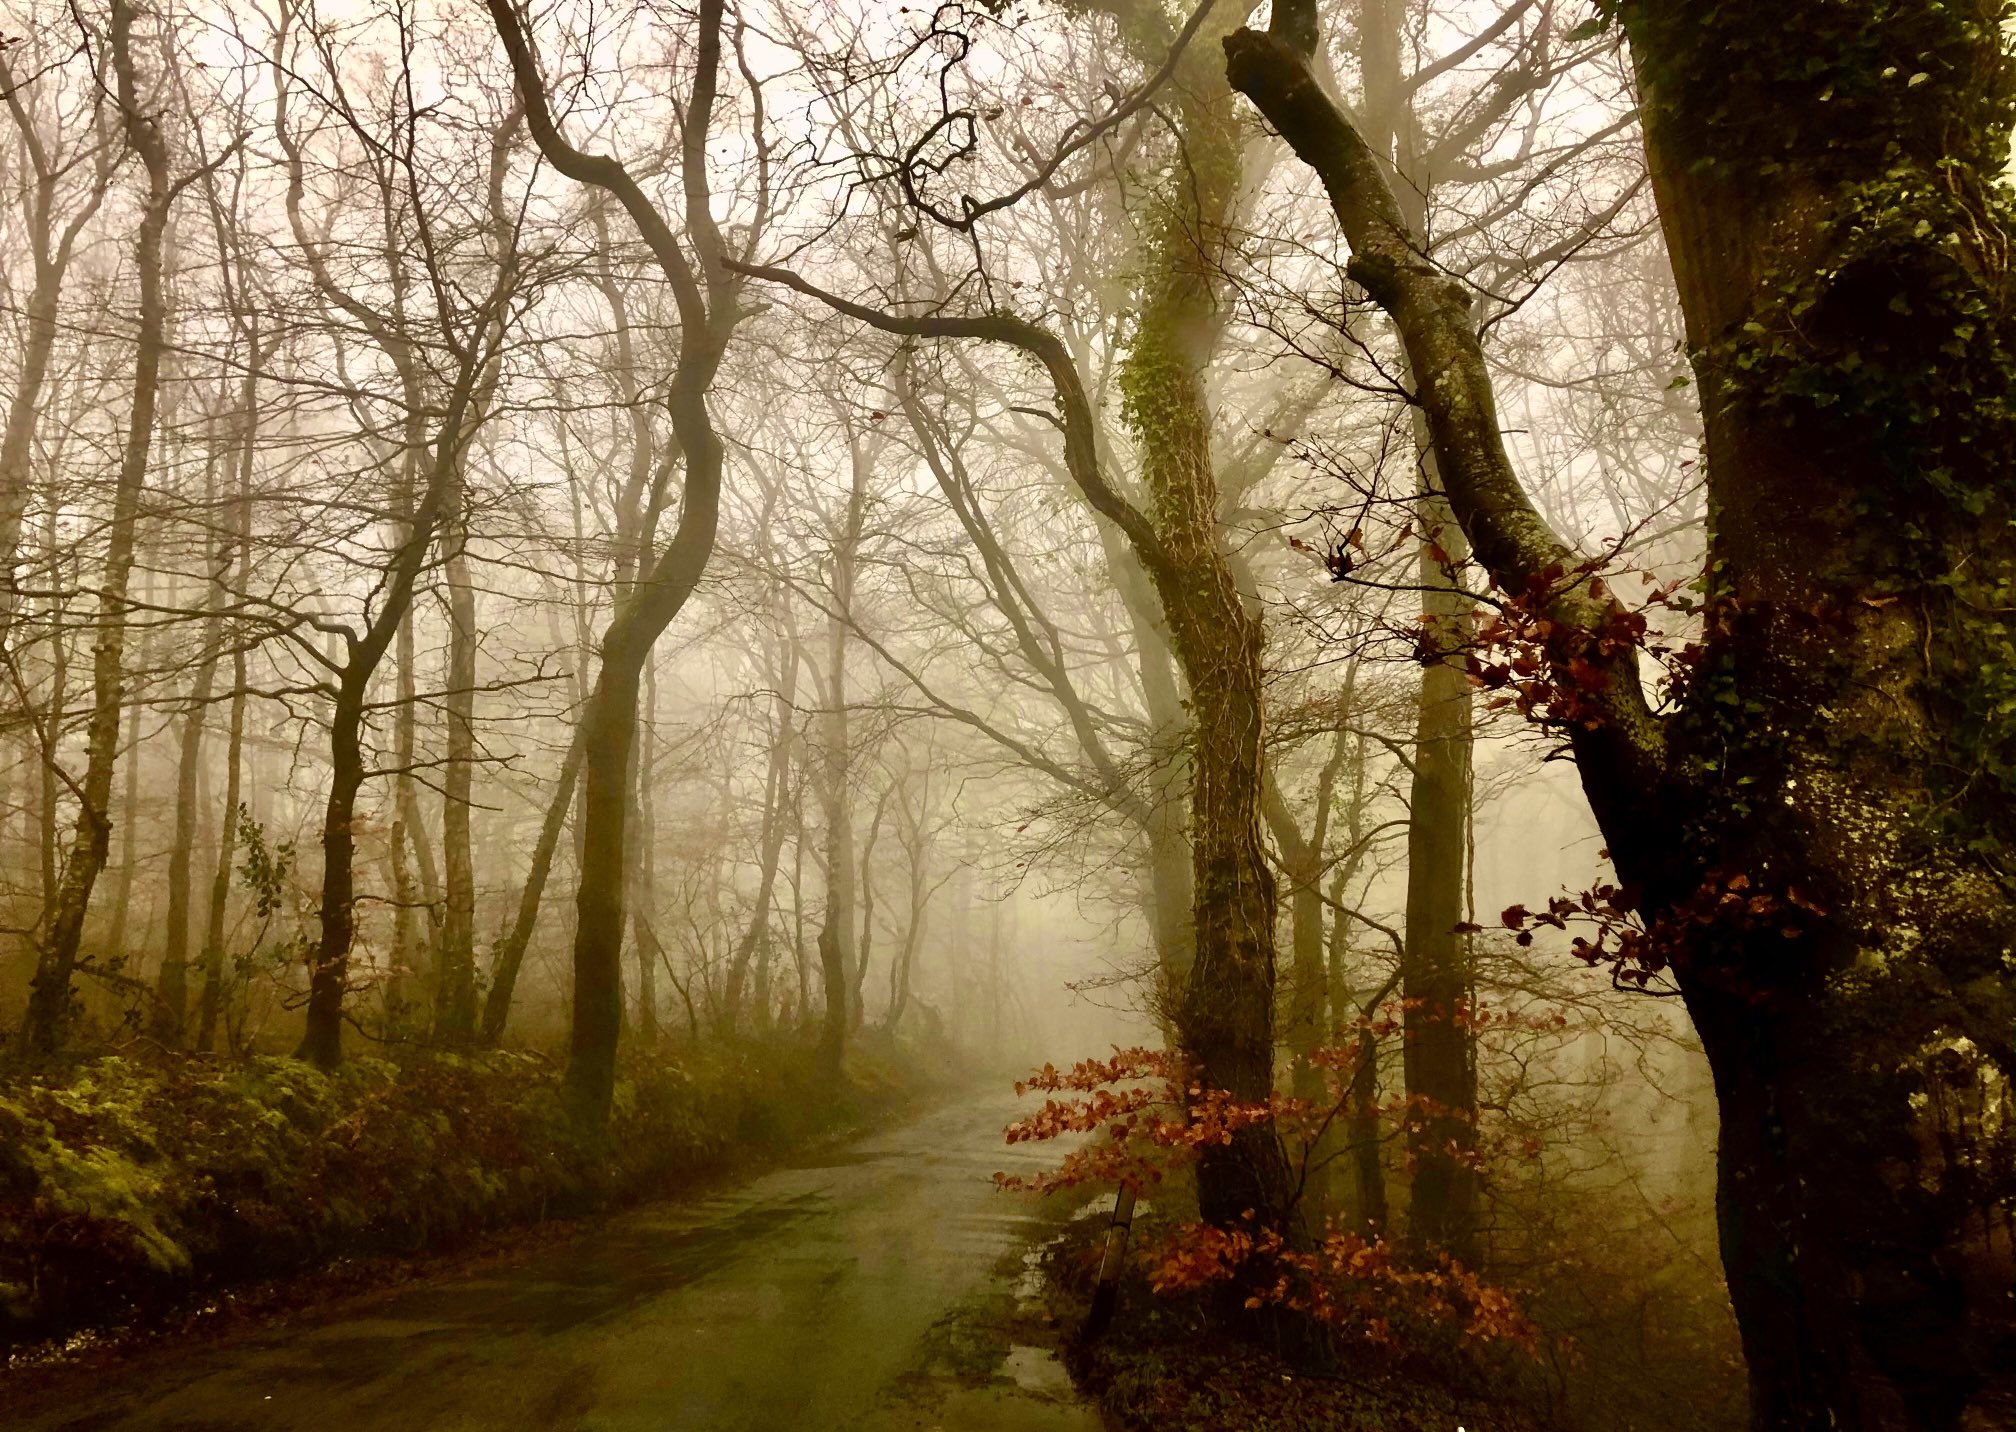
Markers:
1030,1284
1036,1369
988,1366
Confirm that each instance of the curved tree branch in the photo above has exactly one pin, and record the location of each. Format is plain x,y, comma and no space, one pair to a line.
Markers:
1621,745
1081,453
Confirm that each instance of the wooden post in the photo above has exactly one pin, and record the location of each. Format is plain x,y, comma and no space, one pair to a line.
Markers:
1107,1292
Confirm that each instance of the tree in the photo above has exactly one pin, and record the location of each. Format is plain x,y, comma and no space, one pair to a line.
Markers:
706,297
53,229
1813,833
426,466
49,1001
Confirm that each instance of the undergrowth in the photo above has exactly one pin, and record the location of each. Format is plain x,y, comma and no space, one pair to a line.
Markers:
1164,1367
131,1185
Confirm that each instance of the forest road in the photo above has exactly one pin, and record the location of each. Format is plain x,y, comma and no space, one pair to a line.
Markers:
869,1287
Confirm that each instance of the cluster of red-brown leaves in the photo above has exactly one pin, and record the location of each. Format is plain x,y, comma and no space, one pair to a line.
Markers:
1612,932
1550,673
1146,1112
1353,1284
1144,1115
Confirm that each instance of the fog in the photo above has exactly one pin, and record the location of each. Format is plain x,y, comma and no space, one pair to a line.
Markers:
600,599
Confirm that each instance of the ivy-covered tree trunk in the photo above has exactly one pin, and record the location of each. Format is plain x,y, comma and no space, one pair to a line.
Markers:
1819,837
1829,184
1224,1016
1225,1013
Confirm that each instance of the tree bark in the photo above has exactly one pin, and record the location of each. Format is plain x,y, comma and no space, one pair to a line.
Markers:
1225,1017
126,867
238,558
917,847
210,1006
857,999
1437,1056
329,964
1361,1141
1303,859
417,908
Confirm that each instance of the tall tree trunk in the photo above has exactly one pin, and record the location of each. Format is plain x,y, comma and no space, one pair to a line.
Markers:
65,568
329,962
24,410
1436,1045
419,910
1303,858
172,1006
798,960
49,998
329,967
608,730
857,1003
395,997
455,964
126,867
49,803
643,867
1361,1141
211,1004
50,251
770,848
913,936
708,309
1225,1018
510,952
837,956
1857,470
1437,1050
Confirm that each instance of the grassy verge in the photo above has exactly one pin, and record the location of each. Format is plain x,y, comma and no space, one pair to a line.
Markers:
131,1188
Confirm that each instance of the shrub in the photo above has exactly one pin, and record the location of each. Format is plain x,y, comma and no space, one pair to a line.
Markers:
1147,1120
128,1184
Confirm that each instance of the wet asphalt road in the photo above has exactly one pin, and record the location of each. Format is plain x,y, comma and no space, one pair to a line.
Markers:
870,1288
